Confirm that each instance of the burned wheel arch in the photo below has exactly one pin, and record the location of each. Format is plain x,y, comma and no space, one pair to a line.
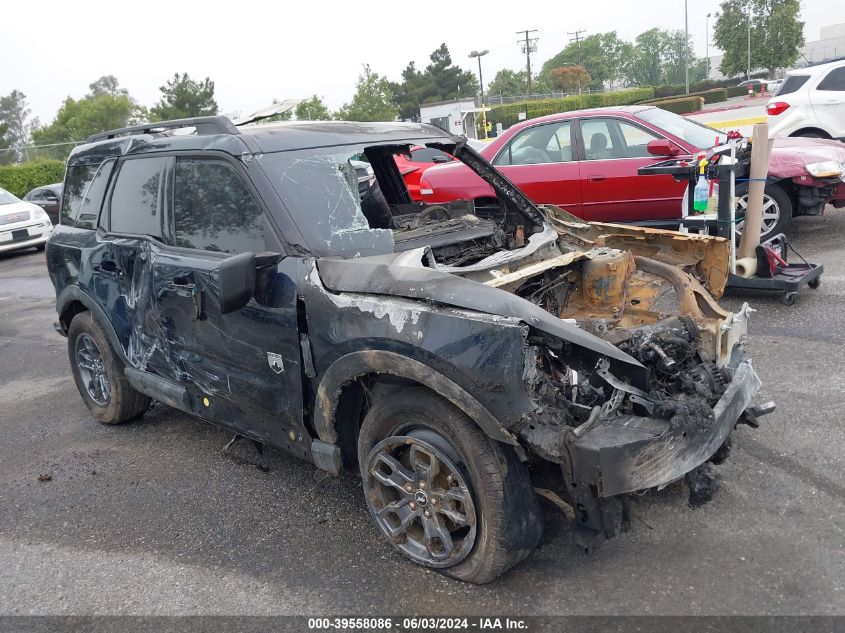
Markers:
355,365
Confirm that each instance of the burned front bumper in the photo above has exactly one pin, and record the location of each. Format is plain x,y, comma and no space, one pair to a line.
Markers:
628,453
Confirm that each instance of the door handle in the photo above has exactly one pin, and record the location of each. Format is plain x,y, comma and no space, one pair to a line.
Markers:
182,288
187,289
596,177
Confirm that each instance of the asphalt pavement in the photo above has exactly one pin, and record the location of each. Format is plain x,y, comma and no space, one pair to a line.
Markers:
152,518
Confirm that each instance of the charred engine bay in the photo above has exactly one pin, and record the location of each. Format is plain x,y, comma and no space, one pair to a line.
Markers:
684,384
457,233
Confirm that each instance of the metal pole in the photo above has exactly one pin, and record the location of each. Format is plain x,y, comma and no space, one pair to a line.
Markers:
483,111
748,66
528,61
479,55
707,48
686,41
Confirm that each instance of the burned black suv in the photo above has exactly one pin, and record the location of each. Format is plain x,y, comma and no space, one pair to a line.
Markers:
278,280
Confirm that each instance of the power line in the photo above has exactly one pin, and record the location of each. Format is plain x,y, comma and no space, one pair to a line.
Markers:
529,45
577,39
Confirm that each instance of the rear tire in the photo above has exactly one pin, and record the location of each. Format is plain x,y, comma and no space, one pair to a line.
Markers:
503,518
98,373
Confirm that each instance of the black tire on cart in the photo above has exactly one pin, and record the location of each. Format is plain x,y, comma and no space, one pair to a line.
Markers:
98,373
441,491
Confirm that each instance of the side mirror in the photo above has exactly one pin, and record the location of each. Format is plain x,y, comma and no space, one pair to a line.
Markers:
51,200
237,281
662,147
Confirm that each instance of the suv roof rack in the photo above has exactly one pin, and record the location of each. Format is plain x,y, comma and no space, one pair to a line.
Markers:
204,124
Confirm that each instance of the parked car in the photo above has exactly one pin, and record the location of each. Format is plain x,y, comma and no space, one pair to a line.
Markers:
586,162
235,274
22,224
48,198
413,164
810,103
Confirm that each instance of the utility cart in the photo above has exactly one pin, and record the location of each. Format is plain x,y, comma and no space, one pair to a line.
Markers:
725,165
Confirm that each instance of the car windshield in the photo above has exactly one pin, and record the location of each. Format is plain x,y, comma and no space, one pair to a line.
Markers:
693,133
320,188
7,198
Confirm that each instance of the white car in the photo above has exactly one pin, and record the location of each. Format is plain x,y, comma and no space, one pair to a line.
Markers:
22,224
810,103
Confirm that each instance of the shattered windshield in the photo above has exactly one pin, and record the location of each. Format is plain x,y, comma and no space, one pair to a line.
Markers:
323,190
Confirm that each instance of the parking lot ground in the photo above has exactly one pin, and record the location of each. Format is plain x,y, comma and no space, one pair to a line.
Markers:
151,518
737,113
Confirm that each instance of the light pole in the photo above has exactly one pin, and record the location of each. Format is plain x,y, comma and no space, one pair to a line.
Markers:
748,66
686,45
479,55
707,47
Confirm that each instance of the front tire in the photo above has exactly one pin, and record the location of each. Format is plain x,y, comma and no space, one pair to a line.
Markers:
777,210
98,373
442,492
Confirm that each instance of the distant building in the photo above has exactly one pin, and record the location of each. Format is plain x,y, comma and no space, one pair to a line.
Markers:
830,45
456,117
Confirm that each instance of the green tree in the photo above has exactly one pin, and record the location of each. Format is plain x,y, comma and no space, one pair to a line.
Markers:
776,35
677,47
441,80
183,97
107,84
617,52
451,81
415,88
313,109
7,155
372,100
509,83
588,53
18,124
657,57
101,109
645,66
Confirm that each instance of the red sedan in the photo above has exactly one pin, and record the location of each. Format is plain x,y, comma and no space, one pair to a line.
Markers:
413,165
586,162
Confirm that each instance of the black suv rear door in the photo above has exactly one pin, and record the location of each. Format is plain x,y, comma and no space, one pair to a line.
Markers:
242,369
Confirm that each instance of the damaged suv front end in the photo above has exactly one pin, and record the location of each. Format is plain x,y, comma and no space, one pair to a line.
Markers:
635,376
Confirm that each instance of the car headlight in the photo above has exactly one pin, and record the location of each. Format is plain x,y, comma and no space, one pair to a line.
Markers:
40,214
825,169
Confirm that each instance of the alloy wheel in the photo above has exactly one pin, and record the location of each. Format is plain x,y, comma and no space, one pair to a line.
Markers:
771,214
92,370
420,499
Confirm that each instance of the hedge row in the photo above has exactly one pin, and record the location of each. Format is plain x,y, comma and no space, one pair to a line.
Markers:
682,105
714,95
508,114
677,90
20,179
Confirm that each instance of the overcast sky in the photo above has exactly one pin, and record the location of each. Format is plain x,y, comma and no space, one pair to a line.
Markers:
255,51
